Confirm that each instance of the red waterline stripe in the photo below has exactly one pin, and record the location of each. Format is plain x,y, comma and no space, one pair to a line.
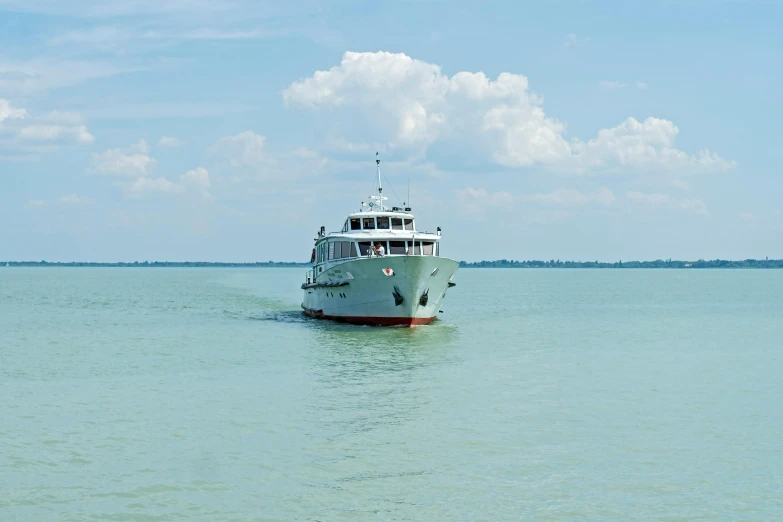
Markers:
371,321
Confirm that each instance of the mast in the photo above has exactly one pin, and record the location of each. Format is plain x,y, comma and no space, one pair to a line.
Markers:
380,187
379,198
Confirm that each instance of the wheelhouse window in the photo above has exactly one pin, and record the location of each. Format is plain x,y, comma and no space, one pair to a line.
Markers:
364,248
368,223
397,247
331,251
396,223
417,248
408,224
353,249
427,248
356,224
346,249
383,222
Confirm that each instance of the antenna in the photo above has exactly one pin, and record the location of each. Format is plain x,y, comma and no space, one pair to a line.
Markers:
378,164
379,198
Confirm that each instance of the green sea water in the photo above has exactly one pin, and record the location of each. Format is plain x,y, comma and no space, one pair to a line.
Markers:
204,394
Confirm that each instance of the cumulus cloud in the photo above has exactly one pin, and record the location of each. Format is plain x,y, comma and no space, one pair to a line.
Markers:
198,178
132,161
168,141
7,112
414,104
55,128
245,149
650,143
666,201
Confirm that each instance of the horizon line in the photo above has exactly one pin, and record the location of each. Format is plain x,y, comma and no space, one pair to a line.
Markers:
500,263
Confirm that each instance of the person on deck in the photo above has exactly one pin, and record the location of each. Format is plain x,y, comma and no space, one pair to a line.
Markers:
378,250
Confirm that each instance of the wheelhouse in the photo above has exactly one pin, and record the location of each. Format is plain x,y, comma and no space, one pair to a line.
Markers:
374,231
380,221
395,231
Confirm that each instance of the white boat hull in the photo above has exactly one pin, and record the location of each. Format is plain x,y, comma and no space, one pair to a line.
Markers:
358,290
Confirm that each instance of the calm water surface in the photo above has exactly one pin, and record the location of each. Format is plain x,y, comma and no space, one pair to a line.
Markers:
203,394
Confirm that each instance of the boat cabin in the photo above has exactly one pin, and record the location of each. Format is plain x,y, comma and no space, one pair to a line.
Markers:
393,227
362,231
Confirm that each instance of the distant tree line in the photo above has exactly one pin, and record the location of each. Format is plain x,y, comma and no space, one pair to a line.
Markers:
660,263
157,264
502,263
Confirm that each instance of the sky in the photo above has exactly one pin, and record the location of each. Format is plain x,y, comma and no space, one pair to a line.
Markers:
177,130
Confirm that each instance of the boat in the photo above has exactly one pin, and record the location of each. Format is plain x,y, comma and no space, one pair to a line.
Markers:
379,269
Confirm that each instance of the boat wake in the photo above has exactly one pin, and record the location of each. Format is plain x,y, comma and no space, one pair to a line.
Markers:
281,316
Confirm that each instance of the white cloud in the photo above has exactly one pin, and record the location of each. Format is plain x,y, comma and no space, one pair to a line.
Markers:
666,201
641,85
77,134
682,185
53,129
413,104
168,141
147,186
198,178
36,203
570,197
245,149
132,161
74,200
7,112
642,144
